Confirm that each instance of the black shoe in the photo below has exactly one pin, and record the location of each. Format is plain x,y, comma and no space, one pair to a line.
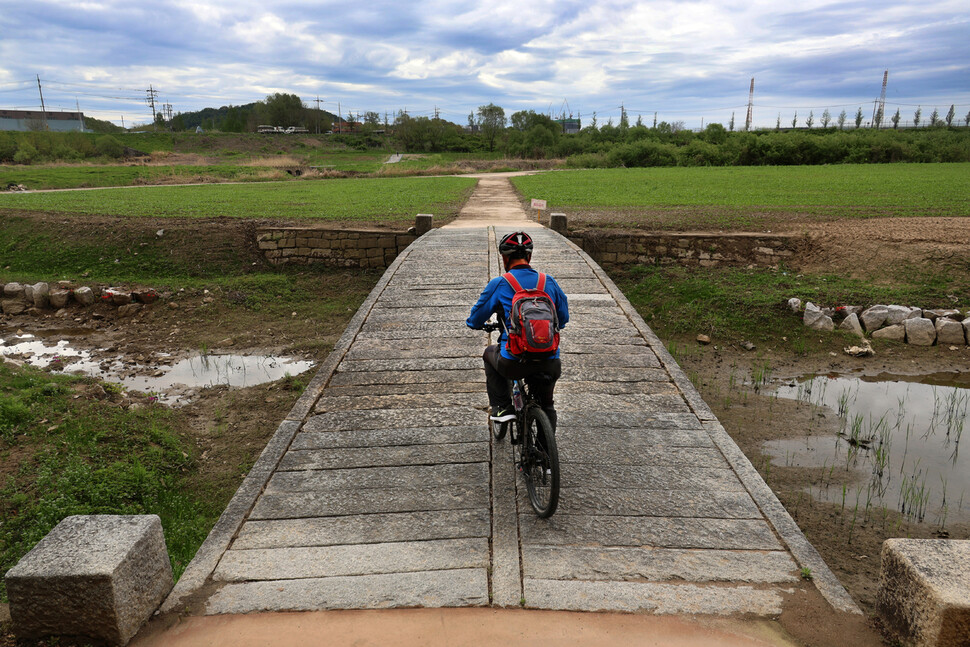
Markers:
502,414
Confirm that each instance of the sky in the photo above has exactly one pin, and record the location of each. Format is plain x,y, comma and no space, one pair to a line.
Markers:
686,61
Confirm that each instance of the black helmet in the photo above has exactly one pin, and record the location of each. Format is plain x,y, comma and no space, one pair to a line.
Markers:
518,244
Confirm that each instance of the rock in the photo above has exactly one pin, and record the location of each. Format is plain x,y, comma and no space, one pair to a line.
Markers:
59,298
795,304
117,296
129,309
229,341
746,345
949,331
933,315
173,305
966,328
860,351
816,319
84,296
892,333
897,314
13,290
920,332
703,339
41,294
145,296
35,312
845,311
851,323
873,318
13,306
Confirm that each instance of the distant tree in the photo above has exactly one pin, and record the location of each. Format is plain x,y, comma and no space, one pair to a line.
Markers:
639,123
624,120
811,118
917,115
593,122
877,118
677,126
524,120
159,121
858,117
778,122
826,118
794,120
280,109
949,115
935,118
895,119
178,123
715,133
471,120
234,122
372,118
491,121
731,123
966,120
841,120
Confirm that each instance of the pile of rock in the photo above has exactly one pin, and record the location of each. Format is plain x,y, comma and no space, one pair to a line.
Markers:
897,323
35,299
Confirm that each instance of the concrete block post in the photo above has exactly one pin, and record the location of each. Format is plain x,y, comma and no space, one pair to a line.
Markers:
422,224
557,222
97,576
924,591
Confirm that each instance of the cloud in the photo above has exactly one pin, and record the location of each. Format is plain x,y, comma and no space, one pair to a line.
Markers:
690,58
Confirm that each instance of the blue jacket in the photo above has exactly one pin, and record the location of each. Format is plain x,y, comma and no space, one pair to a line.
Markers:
497,298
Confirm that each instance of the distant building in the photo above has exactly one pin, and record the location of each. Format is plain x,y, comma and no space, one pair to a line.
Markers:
24,120
569,126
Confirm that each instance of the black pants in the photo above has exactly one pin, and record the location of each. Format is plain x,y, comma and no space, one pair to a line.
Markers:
540,375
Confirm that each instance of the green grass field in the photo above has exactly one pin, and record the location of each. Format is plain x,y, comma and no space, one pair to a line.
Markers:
74,177
821,191
385,200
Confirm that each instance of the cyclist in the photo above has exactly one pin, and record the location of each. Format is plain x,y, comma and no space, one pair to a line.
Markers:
501,365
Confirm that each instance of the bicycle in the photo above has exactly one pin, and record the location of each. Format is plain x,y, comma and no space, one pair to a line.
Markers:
532,431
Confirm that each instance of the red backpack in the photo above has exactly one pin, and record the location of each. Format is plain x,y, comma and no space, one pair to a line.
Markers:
535,326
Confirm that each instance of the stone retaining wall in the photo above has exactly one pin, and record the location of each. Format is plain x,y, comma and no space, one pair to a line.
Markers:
705,250
336,247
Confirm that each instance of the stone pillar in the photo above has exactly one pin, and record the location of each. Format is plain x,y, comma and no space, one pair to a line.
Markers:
422,224
97,576
557,222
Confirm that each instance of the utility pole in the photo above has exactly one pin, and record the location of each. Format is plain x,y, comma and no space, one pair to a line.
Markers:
747,120
43,108
318,114
79,115
340,118
150,100
655,120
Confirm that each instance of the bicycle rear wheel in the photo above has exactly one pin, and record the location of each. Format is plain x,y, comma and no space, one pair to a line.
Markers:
540,463
498,429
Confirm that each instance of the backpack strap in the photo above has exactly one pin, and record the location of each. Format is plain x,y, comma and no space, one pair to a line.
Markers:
540,286
512,281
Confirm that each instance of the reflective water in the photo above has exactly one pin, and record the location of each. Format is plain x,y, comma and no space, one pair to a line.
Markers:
165,380
898,444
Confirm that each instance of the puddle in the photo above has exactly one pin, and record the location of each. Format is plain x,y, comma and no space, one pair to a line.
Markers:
169,381
900,436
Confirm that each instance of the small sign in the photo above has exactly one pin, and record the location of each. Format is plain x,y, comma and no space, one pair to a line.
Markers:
538,204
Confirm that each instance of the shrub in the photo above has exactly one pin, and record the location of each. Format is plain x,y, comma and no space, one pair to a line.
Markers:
108,146
8,147
25,154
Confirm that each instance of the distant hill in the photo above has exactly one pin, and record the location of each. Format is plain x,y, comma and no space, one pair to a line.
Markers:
242,118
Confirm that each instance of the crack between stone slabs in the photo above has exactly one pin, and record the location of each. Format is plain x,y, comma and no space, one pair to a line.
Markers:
220,538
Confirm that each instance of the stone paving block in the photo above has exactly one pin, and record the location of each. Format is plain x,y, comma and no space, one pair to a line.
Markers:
394,418
364,529
476,400
657,564
366,559
304,505
595,439
420,314
660,532
639,403
614,360
443,349
655,503
335,458
458,588
454,326
572,372
628,420
379,477
98,576
571,451
616,388
418,364
367,390
651,598
390,437
630,347
924,591
446,333
440,378
686,477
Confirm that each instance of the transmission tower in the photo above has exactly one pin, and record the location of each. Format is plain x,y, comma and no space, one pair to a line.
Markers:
747,120
881,110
